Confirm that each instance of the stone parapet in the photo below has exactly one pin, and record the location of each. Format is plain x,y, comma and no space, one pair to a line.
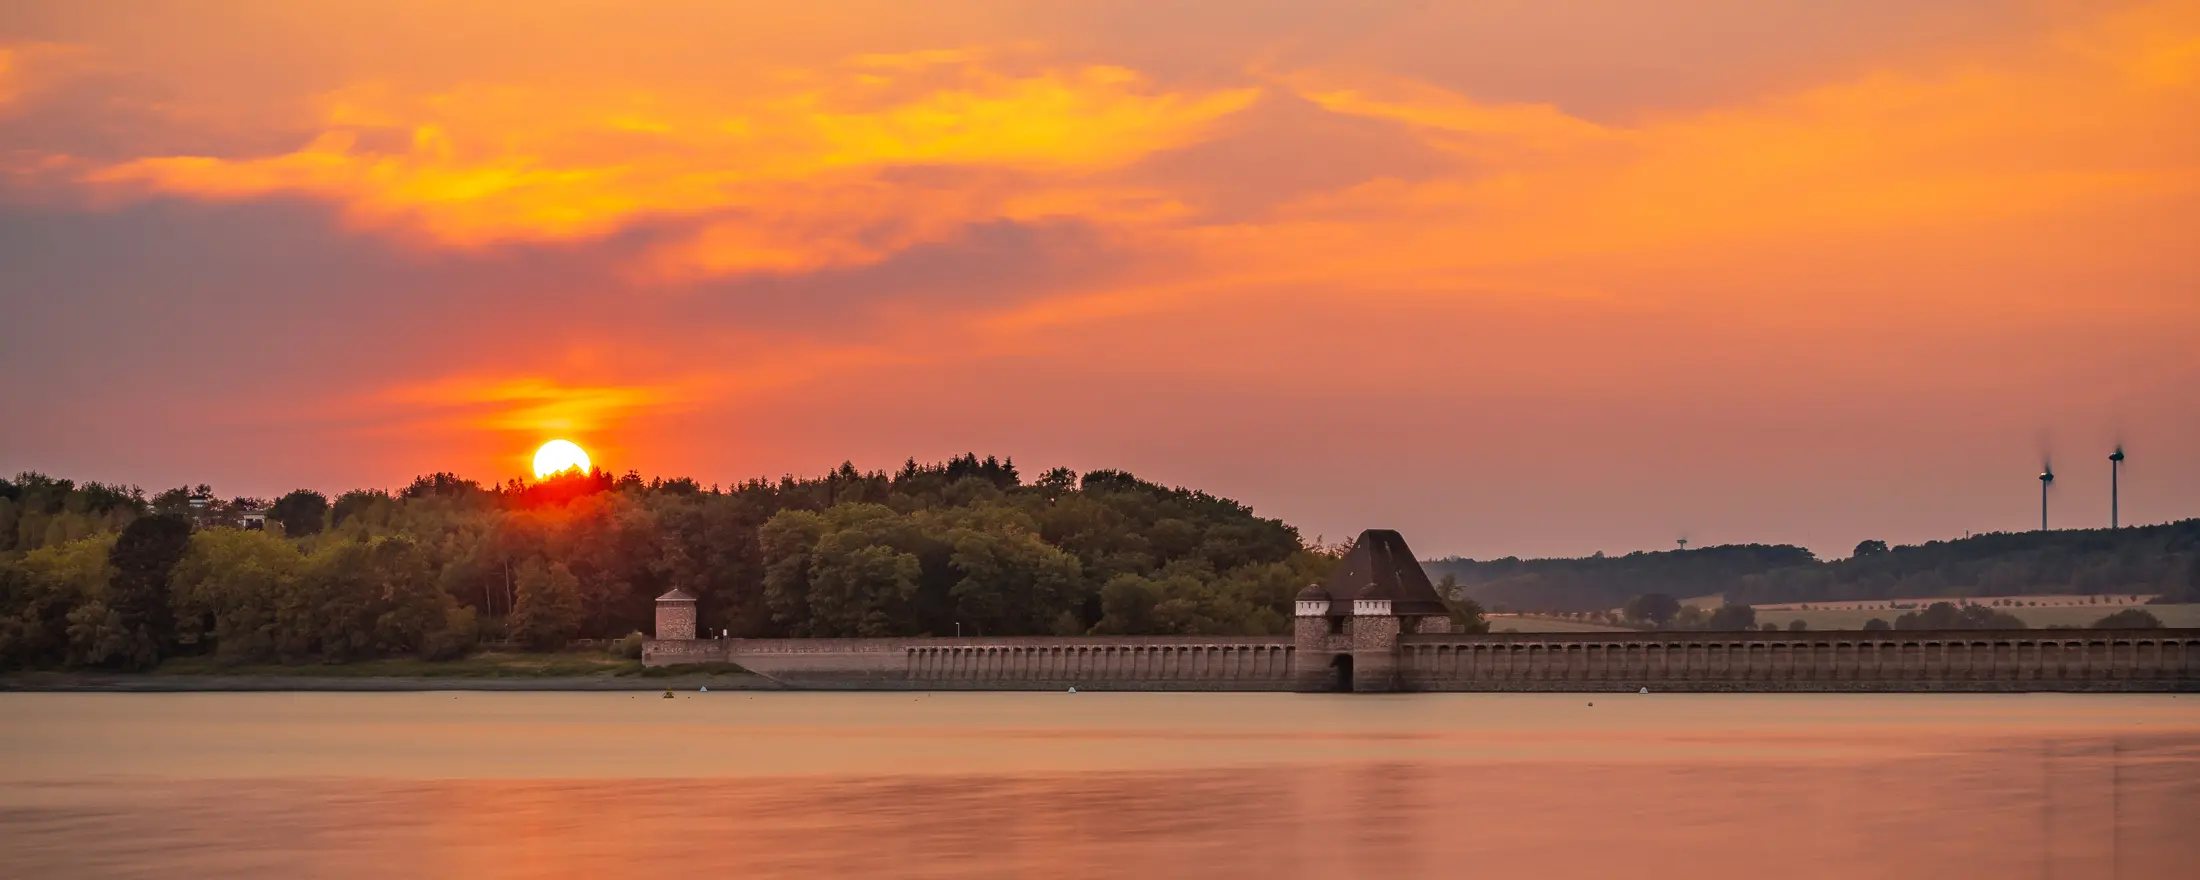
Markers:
678,652
1929,661
1380,659
1016,663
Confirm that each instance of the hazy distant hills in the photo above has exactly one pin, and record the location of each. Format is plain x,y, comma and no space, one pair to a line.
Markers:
2161,559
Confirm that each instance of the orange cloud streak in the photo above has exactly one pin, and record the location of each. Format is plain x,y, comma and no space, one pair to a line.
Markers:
2100,117
795,179
27,68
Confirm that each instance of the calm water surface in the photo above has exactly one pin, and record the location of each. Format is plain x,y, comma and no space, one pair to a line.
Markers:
491,785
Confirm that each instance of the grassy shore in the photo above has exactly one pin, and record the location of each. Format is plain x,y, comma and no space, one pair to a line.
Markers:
489,670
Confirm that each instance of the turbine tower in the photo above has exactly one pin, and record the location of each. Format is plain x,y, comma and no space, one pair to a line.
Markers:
2047,478
2115,473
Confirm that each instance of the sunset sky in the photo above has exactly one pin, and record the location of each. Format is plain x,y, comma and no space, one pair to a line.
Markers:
1513,277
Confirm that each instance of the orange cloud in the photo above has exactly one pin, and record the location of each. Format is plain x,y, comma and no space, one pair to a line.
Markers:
537,404
1547,205
794,177
855,222
11,76
26,68
1454,121
2097,116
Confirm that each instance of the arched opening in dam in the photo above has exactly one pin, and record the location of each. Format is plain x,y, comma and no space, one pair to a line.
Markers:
1342,666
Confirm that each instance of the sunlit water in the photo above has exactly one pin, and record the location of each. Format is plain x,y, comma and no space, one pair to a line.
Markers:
485,785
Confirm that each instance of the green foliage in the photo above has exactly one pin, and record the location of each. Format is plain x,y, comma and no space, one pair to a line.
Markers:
2129,618
1733,617
40,511
40,591
2161,559
447,564
1947,615
548,611
1656,609
460,632
255,597
2187,589
229,590
1467,616
138,612
372,506
300,513
1600,583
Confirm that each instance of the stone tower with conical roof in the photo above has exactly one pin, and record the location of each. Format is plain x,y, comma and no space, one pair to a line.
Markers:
1346,632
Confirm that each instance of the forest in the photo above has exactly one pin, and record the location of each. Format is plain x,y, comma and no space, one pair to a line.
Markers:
2159,559
104,576
95,575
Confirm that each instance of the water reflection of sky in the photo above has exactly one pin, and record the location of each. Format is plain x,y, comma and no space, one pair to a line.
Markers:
1096,785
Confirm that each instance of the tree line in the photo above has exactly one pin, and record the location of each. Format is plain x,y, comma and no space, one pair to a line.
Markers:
2161,559
1659,611
104,576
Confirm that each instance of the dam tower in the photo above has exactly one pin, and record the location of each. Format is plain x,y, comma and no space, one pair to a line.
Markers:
1345,633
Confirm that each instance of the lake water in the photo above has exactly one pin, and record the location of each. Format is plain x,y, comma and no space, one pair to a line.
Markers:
492,785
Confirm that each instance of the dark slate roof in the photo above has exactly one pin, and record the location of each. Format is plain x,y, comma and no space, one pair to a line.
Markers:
680,595
1381,566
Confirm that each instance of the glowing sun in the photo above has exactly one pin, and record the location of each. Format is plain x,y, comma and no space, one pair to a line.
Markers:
559,456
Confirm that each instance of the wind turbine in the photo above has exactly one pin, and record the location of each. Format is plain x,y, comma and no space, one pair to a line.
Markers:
2115,474
2047,478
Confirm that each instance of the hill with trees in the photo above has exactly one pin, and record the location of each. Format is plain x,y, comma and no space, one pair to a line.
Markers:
1599,583
97,575
2160,559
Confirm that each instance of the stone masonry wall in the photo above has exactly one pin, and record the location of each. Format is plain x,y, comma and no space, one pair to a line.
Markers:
2016,660
1989,660
1037,663
1374,653
1197,664
1313,646
675,620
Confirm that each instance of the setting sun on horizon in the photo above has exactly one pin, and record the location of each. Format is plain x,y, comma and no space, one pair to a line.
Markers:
559,456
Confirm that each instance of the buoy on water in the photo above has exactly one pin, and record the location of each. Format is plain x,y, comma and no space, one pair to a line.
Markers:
706,688
668,693
1643,691
1073,690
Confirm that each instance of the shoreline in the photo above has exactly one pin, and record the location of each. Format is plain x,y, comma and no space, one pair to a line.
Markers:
121,683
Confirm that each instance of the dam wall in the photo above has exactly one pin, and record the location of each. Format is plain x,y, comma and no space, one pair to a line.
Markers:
2008,661
1188,663
1379,625
1882,661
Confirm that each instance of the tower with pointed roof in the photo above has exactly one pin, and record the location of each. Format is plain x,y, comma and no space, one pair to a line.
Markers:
676,615
1345,633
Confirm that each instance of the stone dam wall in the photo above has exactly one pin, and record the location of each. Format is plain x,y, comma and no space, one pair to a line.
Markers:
1152,663
1984,661
2163,660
